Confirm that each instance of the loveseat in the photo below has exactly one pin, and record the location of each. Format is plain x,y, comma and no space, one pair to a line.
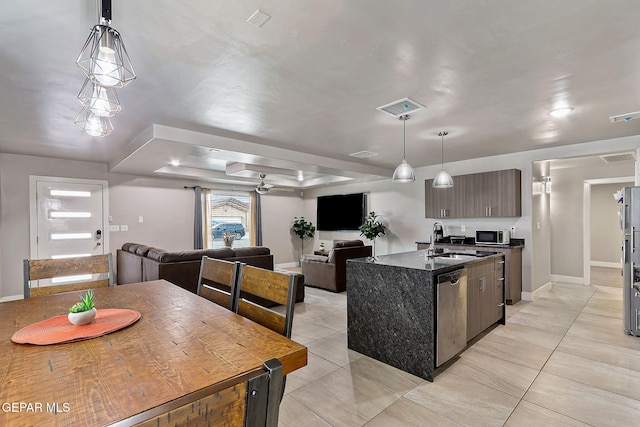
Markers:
330,272
141,263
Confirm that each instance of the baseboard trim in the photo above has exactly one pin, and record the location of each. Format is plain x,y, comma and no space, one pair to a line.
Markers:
605,264
287,265
531,296
11,298
567,279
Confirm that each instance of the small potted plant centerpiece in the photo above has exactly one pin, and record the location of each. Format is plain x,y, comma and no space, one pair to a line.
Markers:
83,312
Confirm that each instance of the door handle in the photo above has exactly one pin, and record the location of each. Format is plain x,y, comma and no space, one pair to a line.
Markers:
98,234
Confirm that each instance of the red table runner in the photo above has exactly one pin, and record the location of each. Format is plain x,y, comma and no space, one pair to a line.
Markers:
57,330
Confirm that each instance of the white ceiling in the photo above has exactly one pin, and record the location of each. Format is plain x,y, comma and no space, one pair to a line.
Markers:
300,93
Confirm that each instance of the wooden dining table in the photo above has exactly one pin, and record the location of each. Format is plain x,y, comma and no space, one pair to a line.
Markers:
186,358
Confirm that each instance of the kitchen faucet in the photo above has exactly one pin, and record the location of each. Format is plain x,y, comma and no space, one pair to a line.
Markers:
437,229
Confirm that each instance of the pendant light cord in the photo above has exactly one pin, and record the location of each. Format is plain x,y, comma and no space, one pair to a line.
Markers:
442,134
404,139
442,152
404,119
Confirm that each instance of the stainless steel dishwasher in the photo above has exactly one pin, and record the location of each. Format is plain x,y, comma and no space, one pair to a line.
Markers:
451,314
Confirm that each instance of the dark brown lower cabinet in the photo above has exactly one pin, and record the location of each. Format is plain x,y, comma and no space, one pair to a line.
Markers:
485,295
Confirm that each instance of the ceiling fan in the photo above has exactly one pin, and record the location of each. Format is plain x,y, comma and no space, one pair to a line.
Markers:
262,188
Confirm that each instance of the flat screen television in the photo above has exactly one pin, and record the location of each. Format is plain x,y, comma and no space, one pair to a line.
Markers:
341,212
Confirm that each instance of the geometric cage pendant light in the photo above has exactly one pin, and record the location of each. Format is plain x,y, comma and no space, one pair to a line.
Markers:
404,173
442,179
92,124
103,58
101,101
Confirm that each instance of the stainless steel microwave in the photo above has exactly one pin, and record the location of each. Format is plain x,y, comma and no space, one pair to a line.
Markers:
492,237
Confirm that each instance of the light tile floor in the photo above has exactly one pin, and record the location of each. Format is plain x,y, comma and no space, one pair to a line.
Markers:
561,360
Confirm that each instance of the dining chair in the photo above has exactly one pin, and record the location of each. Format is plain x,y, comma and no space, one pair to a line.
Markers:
270,285
37,269
215,272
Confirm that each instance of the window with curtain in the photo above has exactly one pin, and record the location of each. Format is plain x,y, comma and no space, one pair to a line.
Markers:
234,212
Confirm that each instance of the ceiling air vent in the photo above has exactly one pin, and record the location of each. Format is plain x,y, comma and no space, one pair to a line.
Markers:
625,117
363,154
621,157
401,107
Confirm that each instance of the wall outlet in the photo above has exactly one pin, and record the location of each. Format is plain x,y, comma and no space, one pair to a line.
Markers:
140,219
463,228
114,228
124,228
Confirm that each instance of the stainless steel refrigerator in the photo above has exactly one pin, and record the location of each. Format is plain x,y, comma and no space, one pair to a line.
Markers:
630,217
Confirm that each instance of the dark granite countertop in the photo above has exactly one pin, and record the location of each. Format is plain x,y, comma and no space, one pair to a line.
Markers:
515,243
417,259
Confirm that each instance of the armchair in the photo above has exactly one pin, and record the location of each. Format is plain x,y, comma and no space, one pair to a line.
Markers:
330,272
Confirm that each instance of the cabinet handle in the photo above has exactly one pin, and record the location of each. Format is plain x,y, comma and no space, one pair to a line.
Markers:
483,285
501,279
501,304
500,262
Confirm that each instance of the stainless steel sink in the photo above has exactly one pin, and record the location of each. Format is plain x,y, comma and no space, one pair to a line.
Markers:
454,256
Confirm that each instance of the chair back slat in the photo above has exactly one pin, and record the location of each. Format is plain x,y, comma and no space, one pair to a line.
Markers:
218,281
270,285
267,284
264,316
49,268
50,290
39,269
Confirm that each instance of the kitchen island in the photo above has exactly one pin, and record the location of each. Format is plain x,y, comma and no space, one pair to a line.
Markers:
392,304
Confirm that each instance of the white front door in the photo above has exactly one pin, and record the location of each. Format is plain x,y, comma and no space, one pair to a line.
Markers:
69,218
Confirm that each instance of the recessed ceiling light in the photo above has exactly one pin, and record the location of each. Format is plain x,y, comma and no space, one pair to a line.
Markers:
560,112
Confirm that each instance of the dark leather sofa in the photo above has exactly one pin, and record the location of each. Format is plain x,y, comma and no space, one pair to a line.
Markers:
141,263
330,272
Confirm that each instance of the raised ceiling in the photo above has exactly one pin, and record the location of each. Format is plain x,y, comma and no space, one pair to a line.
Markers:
218,94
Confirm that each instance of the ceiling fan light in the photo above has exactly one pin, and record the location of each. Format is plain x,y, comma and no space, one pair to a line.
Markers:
404,173
104,59
262,189
442,180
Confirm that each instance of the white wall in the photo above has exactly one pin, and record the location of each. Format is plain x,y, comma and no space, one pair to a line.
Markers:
14,206
165,206
606,233
278,210
567,215
540,227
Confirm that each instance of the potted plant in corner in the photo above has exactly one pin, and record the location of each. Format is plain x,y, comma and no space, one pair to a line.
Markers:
372,228
83,312
302,228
